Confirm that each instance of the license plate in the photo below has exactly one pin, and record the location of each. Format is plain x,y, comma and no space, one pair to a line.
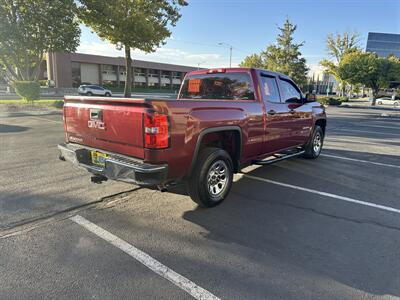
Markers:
98,158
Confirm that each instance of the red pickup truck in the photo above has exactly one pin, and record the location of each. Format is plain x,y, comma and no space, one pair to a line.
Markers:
222,120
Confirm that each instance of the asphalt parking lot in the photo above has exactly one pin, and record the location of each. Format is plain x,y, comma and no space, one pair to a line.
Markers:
300,229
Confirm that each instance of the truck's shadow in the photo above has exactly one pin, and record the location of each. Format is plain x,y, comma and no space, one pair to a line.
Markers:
327,241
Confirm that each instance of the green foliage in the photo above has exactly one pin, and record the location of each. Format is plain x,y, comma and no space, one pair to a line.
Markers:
28,90
252,61
284,56
134,24
332,100
30,28
370,70
337,47
43,82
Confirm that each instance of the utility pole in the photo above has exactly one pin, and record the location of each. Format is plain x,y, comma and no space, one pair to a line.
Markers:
199,63
230,52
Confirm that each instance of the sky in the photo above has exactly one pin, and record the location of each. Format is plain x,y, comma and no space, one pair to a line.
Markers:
250,25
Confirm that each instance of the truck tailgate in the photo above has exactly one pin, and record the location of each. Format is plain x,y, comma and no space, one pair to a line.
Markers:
110,124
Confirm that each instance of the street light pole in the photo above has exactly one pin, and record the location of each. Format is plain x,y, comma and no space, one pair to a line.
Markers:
230,57
198,64
230,52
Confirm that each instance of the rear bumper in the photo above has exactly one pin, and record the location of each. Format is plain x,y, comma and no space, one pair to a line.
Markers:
117,167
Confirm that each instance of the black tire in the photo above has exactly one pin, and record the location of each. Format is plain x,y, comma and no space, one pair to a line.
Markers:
379,102
89,94
314,146
211,163
396,105
108,95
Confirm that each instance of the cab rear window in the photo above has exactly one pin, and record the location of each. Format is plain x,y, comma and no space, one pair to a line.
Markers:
224,86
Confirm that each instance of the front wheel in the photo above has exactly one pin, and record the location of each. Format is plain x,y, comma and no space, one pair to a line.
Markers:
314,146
211,179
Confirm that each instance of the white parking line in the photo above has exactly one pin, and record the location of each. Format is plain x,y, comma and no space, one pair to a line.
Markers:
347,199
151,263
366,131
360,160
379,126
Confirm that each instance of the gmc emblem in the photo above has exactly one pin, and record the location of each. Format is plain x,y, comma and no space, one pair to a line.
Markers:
96,119
96,124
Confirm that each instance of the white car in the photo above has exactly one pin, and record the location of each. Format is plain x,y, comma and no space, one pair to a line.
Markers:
91,90
389,101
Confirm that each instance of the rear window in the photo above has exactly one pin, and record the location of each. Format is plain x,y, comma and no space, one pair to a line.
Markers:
223,86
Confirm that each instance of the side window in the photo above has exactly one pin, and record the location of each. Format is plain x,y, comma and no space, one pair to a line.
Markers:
269,89
289,91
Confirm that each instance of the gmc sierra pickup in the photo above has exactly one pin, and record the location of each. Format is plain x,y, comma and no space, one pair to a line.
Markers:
222,120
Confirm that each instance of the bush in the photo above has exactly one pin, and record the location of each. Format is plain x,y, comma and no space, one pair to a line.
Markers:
58,104
329,100
43,82
28,90
343,99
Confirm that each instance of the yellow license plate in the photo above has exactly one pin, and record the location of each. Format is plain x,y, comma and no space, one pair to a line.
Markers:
98,158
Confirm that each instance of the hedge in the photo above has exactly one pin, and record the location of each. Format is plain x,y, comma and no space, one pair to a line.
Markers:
28,90
331,100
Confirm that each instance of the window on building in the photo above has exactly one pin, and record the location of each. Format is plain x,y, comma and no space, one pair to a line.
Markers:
76,74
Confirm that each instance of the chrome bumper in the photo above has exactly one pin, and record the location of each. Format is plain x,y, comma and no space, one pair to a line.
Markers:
116,167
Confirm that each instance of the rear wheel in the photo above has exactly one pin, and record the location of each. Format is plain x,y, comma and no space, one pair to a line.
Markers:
379,102
211,178
89,94
314,146
108,94
396,105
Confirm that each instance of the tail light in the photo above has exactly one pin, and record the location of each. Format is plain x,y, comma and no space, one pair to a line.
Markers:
156,131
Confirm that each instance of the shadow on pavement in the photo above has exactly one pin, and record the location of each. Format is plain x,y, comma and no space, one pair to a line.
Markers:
327,243
12,128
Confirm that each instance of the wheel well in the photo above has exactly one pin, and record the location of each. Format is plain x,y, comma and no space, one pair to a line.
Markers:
228,140
322,124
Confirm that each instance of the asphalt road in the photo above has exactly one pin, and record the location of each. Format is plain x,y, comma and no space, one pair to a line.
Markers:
300,229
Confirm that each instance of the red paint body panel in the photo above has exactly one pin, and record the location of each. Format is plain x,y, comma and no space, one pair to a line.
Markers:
261,133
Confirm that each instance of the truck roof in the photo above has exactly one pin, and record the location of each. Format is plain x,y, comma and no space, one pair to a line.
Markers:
229,70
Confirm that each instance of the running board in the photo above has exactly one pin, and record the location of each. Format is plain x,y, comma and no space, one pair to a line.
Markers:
278,158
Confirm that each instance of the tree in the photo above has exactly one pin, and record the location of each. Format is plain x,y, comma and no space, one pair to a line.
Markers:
284,56
252,61
29,29
337,47
131,24
370,70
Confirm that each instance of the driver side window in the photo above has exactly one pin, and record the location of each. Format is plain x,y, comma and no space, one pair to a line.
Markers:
289,91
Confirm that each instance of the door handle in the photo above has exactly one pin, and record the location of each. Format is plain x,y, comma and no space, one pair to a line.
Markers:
271,112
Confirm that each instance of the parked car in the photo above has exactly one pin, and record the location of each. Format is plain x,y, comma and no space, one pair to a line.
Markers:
93,90
221,121
388,101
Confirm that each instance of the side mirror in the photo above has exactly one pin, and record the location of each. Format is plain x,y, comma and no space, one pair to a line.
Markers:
310,97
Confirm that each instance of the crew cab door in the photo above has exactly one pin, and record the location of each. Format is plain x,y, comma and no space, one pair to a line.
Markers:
278,118
301,112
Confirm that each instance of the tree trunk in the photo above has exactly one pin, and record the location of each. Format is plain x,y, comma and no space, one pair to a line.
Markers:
374,95
128,66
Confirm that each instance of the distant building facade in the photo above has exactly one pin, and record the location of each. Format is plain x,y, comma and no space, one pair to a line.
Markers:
68,70
383,44
321,82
